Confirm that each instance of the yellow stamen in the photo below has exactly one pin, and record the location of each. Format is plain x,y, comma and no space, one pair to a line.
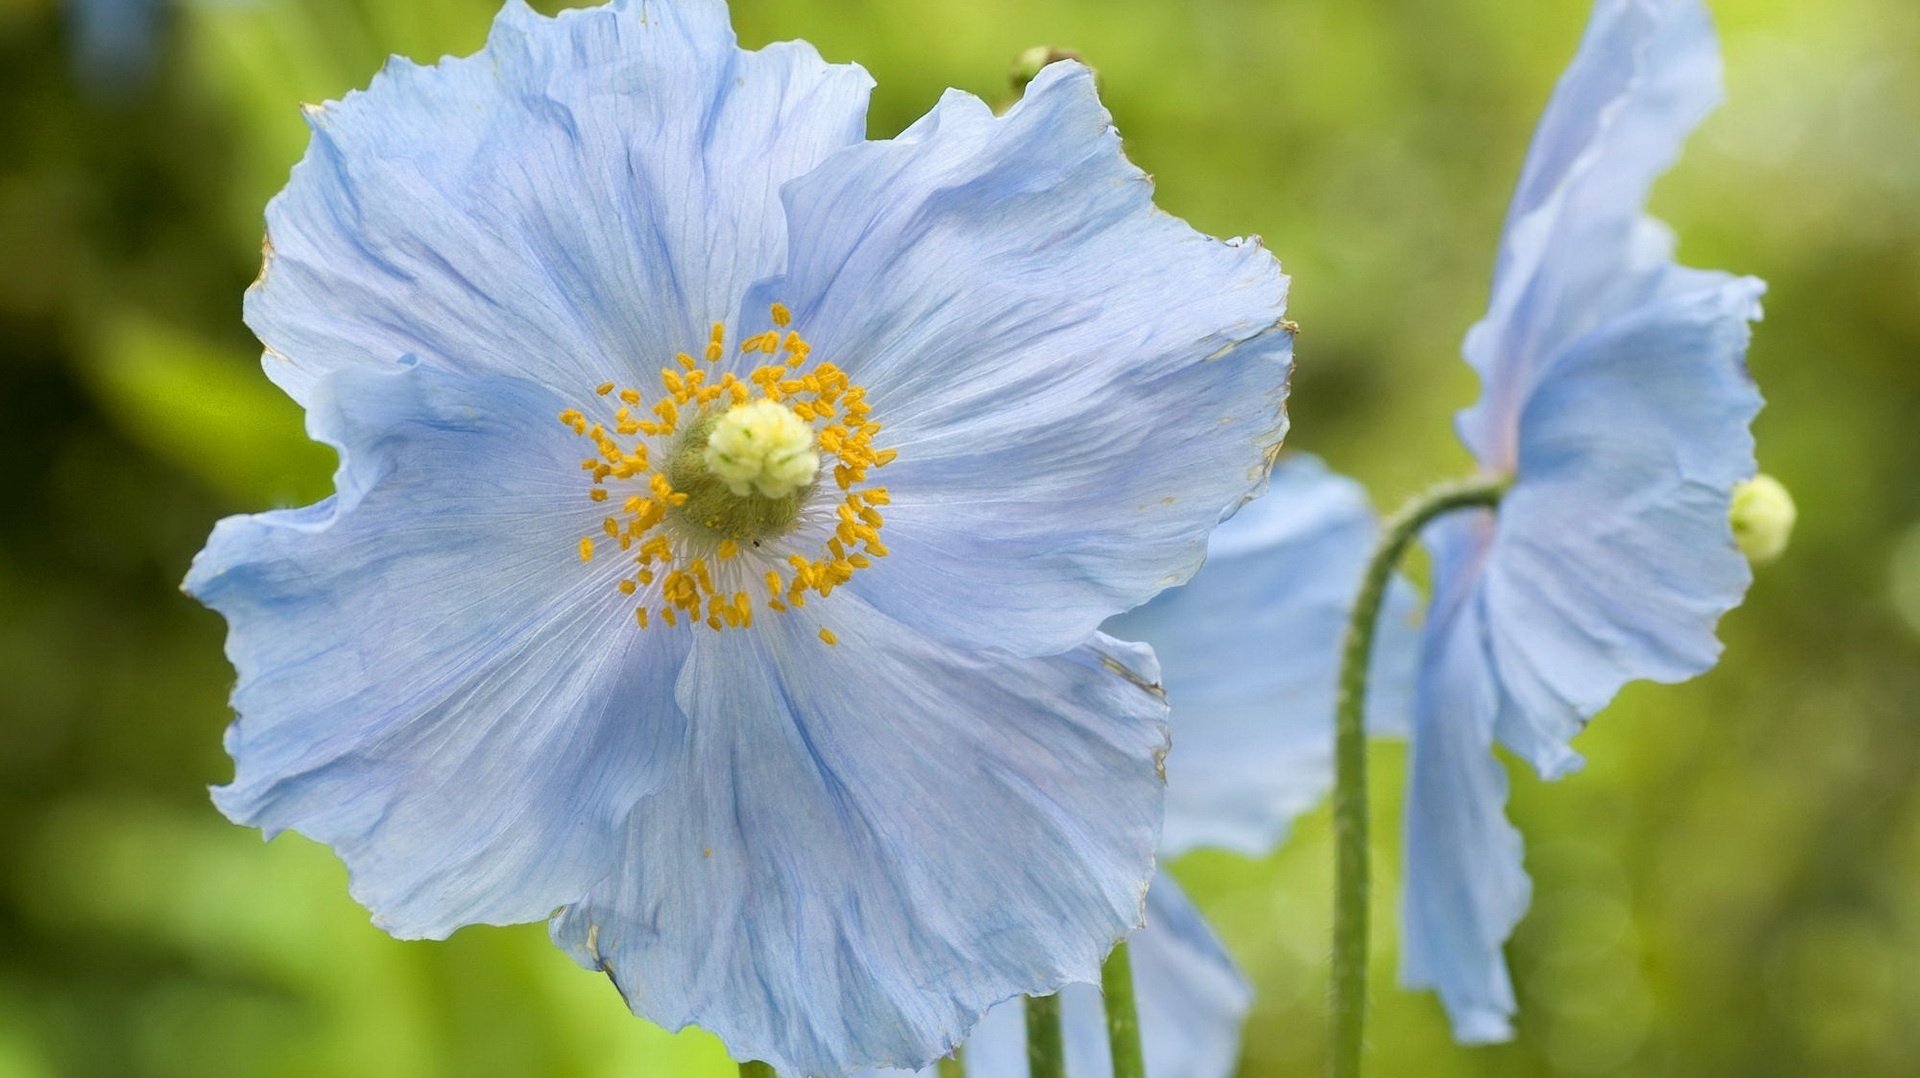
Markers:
814,405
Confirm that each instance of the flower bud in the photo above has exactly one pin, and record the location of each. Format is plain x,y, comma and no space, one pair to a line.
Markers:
1027,66
1763,514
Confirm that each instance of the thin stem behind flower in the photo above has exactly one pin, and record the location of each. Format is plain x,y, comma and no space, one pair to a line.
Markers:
1352,887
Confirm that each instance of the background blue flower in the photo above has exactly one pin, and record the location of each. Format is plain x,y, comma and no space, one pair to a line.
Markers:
1617,398
1249,649
836,834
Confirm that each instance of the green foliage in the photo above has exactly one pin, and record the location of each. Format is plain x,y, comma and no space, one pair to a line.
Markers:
212,414
1730,888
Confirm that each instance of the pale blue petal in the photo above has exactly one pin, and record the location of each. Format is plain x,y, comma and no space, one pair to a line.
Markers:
1250,652
428,680
1192,1002
1577,250
1614,557
1077,383
575,203
872,843
1465,886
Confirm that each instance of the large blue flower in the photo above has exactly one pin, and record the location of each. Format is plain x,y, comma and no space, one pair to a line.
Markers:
1249,650
726,510
1617,402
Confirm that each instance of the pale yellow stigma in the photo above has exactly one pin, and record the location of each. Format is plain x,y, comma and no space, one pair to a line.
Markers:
762,448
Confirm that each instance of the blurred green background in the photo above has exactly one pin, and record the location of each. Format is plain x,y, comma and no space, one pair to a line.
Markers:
1732,887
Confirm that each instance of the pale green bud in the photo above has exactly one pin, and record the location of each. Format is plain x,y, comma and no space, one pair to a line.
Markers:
1763,514
1027,66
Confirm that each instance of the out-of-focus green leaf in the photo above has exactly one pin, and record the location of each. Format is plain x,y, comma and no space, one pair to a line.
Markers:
209,410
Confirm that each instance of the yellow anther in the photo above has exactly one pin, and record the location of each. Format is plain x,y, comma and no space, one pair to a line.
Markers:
604,388
640,615
827,636
781,316
586,550
598,494
628,587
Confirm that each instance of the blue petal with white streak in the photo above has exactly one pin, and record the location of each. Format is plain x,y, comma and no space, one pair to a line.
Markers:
1616,399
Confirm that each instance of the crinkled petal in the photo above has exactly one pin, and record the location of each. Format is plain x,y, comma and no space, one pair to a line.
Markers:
1250,653
576,202
875,841
1077,383
1614,557
1191,1000
428,680
1465,885
1577,251
1617,398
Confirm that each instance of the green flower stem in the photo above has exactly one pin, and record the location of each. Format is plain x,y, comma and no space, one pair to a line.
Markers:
1123,1019
1046,1056
1352,900
756,1069
951,1067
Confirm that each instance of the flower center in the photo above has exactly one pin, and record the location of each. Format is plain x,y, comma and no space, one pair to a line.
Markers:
735,505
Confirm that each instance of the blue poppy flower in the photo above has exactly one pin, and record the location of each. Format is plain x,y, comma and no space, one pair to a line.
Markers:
1617,402
726,510
1249,650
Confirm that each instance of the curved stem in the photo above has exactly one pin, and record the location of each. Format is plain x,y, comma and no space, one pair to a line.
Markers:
1123,1019
953,1066
1352,898
1046,1055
